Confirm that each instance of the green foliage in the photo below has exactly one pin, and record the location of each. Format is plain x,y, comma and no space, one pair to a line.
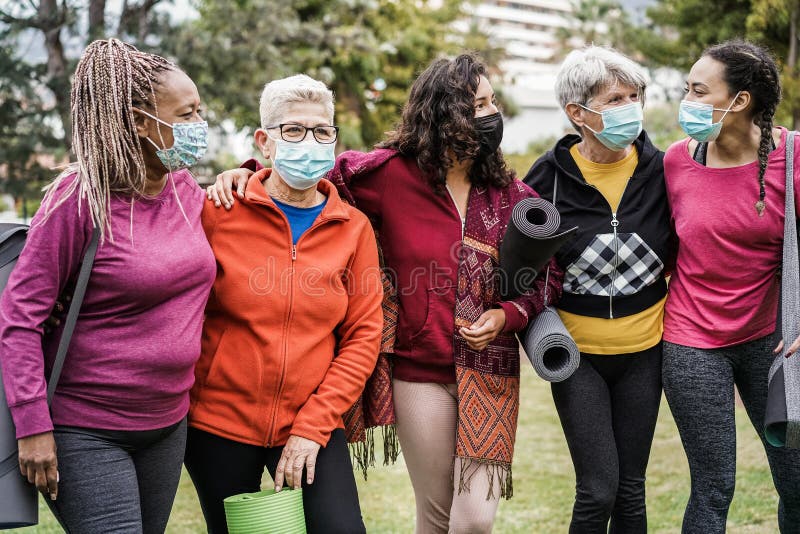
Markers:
661,123
367,51
521,161
27,205
679,31
25,130
35,97
775,22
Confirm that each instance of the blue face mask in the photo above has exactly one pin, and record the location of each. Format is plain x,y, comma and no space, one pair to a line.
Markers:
697,120
621,125
302,165
190,141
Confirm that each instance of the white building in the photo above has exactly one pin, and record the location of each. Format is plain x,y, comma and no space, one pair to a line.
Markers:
527,29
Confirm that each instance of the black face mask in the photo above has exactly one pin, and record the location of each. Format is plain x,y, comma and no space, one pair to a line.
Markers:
490,133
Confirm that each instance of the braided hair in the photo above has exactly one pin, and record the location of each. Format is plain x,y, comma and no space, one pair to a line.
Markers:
749,67
110,80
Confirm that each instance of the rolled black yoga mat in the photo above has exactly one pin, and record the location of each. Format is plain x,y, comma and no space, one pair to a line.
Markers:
782,417
776,417
530,241
18,499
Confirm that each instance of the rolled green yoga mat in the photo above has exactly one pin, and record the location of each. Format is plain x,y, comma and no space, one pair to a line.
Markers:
266,512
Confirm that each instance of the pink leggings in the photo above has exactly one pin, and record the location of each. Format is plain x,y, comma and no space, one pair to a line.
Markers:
426,426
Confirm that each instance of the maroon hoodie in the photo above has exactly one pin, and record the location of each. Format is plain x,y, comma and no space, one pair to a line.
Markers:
420,235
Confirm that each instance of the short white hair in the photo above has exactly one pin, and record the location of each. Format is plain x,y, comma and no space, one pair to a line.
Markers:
588,71
278,95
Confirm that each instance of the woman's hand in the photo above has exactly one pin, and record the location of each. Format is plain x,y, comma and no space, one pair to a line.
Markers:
297,453
792,348
485,329
38,463
57,314
222,190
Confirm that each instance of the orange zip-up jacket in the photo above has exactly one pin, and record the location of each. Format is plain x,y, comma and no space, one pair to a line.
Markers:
291,333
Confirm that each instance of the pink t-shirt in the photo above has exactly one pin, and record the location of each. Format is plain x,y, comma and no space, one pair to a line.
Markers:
724,290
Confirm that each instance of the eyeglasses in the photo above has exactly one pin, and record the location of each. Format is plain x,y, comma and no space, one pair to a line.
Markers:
295,133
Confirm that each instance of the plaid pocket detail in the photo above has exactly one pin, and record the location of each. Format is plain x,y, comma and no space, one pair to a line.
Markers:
626,264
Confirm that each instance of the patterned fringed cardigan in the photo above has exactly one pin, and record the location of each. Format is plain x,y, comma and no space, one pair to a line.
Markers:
487,380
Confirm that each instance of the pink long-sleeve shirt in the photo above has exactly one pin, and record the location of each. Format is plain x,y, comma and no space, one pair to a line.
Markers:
131,360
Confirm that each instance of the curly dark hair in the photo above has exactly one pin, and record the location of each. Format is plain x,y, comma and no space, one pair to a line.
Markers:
749,67
438,124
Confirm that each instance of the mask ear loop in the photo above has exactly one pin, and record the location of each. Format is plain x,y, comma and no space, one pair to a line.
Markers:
178,199
169,171
593,111
171,176
727,110
153,143
159,129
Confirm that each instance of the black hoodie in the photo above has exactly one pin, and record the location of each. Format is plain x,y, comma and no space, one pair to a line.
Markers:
614,266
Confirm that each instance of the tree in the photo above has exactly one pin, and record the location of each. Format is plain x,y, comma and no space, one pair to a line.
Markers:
775,22
679,31
53,19
367,51
48,17
25,131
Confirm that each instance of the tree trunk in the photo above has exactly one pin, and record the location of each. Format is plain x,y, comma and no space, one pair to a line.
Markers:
122,19
143,27
791,61
58,79
133,12
97,19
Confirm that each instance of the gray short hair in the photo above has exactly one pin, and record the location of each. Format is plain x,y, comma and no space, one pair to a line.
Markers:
278,95
586,72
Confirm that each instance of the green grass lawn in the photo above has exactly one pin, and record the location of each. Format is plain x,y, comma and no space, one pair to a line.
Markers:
544,482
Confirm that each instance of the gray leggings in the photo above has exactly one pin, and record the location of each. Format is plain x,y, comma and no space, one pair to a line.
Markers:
698,384
120,482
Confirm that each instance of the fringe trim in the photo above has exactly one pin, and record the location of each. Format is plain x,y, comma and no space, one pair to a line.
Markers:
391,445
497,473
363,452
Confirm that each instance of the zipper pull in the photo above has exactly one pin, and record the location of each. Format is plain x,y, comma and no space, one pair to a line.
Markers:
614,221
294,252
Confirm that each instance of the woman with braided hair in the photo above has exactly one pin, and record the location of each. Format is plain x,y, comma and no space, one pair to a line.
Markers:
108,451
726,187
